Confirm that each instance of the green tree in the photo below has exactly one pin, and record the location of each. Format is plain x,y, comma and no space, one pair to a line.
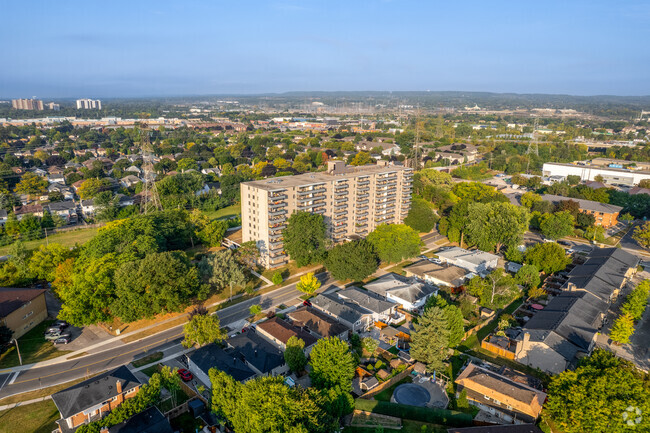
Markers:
222,270
585,220
528,276
622,329
495,224
394,242
421,217
31,184
203,329
248,253
528,199
89,188
642,234
45,260
557,225
277,278
369,344
455,324
595,397
361,158
308,283
636,302
332,364
187,164
255,309
550,257
430,339
354,261
294,354
47,222
304,238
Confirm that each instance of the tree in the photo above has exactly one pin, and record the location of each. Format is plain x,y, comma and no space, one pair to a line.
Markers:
596,396
585,220
255,309
277,278
304,238
570,206
528,199
550,257
599,178
171,381
294,354
308,283
636,302
89,188
622,329
395,242
45,260
500,284
556,225
354,260
369,344
31,184
248,253
187,164
332,364
361,158
573,179
430,339
203,329
495,224
421,217
455,324
642,234
528,275
222,270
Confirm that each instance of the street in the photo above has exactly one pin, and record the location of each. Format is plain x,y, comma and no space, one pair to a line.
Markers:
42,377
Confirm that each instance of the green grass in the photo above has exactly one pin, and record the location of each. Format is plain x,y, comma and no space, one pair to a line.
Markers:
422,414
33,348
186,423
386,394
31,418
473,342
67,239
226,212
149,371
156,356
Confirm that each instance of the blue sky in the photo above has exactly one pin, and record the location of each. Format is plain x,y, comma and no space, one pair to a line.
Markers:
57,49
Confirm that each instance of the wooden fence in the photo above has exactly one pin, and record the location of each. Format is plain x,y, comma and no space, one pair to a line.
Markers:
382,386
505,353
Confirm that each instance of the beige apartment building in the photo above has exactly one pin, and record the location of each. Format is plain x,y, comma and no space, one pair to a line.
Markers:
353,201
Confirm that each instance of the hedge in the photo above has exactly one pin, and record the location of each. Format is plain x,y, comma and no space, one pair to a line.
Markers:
422,414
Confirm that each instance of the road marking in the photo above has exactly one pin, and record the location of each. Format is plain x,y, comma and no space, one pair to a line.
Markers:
102,360
3,383
15,375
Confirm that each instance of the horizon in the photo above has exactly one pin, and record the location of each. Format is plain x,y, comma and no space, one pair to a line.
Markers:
155,50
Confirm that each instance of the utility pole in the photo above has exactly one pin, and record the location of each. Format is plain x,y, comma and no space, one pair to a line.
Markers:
20,359
149,198
532,146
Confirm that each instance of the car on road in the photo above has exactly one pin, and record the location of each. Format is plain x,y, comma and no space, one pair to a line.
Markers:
570,251
565,243
62,340
185,375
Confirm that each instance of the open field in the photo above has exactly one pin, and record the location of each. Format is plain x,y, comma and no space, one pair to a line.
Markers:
31,418
226,212
67,239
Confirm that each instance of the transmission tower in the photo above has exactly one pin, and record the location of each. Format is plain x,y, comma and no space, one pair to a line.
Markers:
416,145
532,145
149,196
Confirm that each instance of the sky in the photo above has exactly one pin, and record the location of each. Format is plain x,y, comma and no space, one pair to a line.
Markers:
141,48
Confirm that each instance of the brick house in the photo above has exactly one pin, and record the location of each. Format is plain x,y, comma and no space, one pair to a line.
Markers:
606,214
92,399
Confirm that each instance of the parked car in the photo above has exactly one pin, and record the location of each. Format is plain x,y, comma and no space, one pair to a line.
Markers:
51,336
60,324
565,243
185,375
306,303
435,260
62,340
570,251
423,257
53,329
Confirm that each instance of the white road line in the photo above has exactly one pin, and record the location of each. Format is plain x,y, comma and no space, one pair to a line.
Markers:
14,378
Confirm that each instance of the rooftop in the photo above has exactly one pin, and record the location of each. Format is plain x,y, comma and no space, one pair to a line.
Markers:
255,350
12,299
316,322
366,299
476,257
283,331
407,289
212,355
446,272
348,311
593,206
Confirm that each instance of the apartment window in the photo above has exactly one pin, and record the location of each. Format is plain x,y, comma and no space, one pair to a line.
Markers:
28,314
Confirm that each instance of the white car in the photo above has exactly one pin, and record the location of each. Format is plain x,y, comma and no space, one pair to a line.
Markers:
435,260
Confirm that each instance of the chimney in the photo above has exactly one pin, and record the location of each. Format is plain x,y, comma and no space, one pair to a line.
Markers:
118,386
571,287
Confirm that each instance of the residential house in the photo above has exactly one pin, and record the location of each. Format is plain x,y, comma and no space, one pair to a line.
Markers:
33,209
457,153
318,324
65,209
439,275
382,310
203,359
66,191
279,332
259,355
39,172
511,397
212,170
606,214
150,420
88,208
408,292
22,309
133,169
349,314
130,180
56,178
91,399
476,261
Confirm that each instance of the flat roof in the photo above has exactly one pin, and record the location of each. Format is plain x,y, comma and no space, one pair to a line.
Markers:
599,167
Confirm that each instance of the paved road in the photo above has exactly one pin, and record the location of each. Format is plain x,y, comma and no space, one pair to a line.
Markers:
42,377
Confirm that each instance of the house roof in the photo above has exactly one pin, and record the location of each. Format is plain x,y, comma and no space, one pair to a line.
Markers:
476,257
256,351
366,299
593,206
62,205
508,428
407,289
93,391
211,355
317,322
520,397
340,308
446,273
12,299
283,331
149,421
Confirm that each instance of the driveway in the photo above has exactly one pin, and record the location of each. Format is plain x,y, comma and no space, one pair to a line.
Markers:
88,336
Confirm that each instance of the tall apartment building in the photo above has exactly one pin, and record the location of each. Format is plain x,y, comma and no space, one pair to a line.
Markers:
353,201
89,104
27,104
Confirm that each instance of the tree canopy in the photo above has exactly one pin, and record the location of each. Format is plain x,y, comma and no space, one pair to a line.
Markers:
557,225
354,260
304,238
550,257
421,217
430,339
394,242
332,364
294,354
203,329
493,225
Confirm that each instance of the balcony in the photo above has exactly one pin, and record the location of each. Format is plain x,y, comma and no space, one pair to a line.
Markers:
277,227
340,229
276,205
341,212
341,186
275,246
362,207
277,212
318,190
363,182
364,201
319,211
277,196
363,195
341,205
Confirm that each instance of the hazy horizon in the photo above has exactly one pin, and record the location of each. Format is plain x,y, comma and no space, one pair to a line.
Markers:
153,49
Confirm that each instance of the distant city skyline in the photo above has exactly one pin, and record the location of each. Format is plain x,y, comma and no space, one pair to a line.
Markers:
149,48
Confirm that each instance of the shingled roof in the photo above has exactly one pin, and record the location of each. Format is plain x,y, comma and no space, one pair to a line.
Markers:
316,322
12,299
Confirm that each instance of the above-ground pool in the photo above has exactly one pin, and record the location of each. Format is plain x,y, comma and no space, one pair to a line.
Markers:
411,394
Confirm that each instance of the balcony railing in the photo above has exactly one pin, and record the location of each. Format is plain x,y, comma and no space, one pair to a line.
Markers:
318,190
277,196
277,212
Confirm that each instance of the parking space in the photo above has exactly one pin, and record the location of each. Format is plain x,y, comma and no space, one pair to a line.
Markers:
87,336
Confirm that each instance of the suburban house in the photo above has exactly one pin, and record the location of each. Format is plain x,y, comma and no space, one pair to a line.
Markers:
512,428
606,214
382,310
88,208
150,420
33,209
65,209
130,180
203,359
259,355
439,275
278,332
457,153
476,261
507,394
556,337
348,313
408,292
91,399
318,324
22,309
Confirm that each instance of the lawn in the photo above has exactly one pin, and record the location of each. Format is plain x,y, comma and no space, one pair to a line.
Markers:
31,418
33,348
67,239
156,356
149,371
386,394
226,212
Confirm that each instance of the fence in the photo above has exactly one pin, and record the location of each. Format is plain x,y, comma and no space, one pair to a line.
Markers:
423,414
384,385
505,353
